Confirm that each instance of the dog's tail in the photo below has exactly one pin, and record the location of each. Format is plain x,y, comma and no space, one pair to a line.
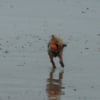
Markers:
64,45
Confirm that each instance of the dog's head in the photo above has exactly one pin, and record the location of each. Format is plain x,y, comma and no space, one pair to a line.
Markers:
58,42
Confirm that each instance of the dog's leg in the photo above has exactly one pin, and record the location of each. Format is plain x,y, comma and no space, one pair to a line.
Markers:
51,59
61,60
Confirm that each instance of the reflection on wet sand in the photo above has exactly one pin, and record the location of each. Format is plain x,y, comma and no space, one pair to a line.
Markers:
54,86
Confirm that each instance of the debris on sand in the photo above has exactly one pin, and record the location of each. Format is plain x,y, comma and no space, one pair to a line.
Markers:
87,8
86,48
83,12
74,89
6,51
98,34
0,48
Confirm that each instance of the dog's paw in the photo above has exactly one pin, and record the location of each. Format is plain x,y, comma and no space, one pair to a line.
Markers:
54,67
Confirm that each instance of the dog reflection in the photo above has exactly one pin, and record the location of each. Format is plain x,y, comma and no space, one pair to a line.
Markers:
54,86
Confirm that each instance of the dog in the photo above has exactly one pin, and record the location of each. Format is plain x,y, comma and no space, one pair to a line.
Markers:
55,49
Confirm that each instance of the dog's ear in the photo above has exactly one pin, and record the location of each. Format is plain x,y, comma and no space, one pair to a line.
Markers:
53,36
64,45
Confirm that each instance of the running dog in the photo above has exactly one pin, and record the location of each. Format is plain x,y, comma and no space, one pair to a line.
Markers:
55,49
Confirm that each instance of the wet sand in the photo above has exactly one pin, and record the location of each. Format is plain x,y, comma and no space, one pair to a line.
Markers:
25,70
